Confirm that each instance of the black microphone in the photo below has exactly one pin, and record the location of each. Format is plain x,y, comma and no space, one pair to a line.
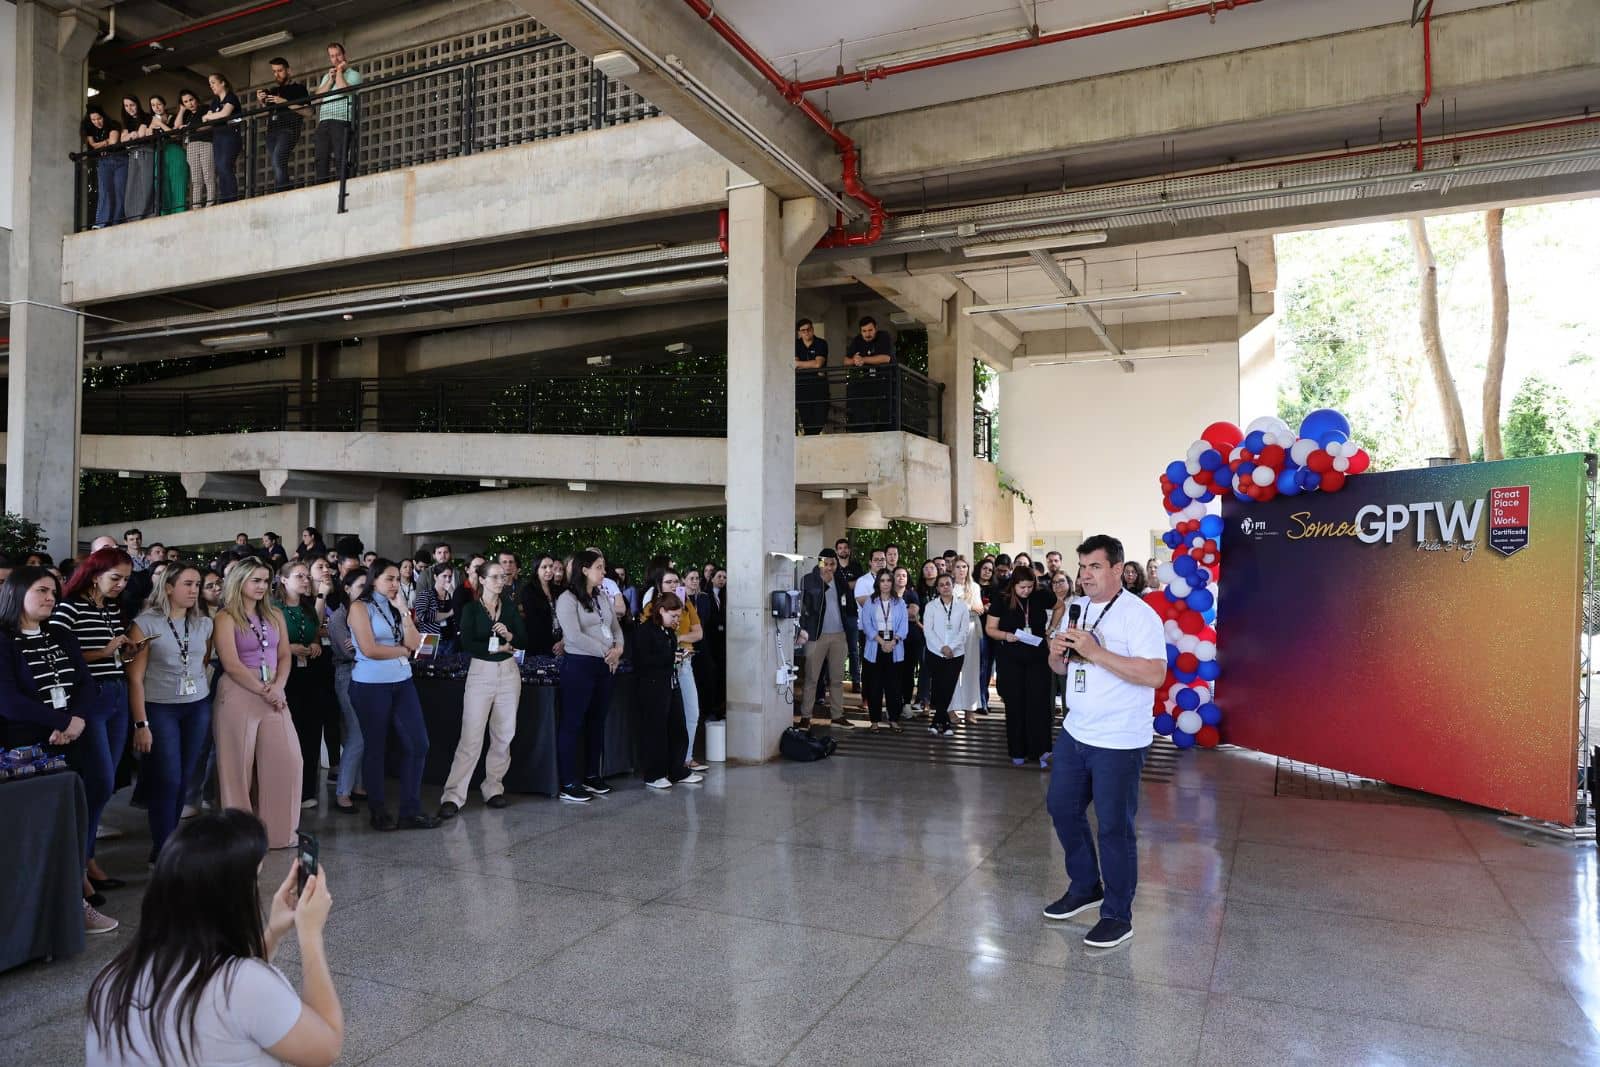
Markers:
1073,612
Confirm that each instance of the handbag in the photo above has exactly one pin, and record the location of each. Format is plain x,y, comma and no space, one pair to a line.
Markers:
798,745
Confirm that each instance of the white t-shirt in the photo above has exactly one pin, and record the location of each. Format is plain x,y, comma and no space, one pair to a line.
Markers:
1110,712
864,586
232,1030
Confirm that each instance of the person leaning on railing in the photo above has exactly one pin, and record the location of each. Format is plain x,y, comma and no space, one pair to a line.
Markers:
222,108
139,197
284,121
331,141
197,151
100,134
173,170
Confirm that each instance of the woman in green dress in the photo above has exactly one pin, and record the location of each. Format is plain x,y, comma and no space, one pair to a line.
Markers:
172,185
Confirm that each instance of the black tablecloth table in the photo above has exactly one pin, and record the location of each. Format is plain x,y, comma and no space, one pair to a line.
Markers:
533,749
43,823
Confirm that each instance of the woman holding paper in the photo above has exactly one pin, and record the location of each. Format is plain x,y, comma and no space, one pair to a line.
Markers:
1018,624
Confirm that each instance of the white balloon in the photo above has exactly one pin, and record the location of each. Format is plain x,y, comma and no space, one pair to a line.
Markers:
1267,424
1286,439
1190,722
1175,518
1203,692
1166,573
1179,587
1351,448
1301,450
1187,643
1237,453
1193,455
1263,476
1341,464
1195,510
1171,707
1172,631
1205,650
1193,488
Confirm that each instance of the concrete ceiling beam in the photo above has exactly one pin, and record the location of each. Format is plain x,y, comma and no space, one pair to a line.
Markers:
1133,338
303,485
210,485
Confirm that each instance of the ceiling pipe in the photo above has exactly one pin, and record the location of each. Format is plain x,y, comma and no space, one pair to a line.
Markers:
205,24
1427,73
878,73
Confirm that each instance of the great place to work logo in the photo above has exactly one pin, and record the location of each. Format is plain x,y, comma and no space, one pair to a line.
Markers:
1433,525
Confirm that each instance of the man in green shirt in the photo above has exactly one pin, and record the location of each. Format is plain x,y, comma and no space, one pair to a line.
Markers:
332,138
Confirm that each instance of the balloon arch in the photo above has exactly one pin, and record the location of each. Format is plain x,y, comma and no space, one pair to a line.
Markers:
1265,460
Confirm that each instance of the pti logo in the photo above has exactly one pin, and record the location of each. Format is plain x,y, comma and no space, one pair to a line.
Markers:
1252,526
1509,509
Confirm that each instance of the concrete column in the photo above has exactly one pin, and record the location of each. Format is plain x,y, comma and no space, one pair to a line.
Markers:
383,522
766,241
950,358
46,366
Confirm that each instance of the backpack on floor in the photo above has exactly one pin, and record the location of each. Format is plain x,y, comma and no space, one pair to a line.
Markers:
798,745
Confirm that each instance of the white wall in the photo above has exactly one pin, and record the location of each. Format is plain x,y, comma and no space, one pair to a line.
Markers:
8,109
1089,442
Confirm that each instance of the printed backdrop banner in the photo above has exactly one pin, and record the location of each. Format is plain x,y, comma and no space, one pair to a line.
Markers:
1420,627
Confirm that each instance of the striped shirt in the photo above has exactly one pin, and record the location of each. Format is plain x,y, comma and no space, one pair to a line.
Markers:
48,663
94,628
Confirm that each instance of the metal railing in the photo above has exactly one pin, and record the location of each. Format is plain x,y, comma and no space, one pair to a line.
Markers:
983,434
528,91
642,404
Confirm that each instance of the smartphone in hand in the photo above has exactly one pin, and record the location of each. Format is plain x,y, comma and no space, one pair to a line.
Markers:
306,850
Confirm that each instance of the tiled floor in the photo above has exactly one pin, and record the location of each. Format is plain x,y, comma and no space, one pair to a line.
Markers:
886,911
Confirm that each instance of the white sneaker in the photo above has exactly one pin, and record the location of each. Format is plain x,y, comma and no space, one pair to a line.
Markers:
949,732
659,783
308,802
693,779
189,812
107,833
934,730
95,923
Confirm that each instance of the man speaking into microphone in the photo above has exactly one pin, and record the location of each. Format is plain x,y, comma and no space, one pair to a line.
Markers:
1113,655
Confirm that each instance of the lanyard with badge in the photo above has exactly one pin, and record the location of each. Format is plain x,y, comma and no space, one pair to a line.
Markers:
113,624
1080,675
391,619
494,620
949,618
52,660
187,686
886,631
267,669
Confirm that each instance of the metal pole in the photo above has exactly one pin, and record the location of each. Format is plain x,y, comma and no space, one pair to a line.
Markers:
469,121
250,161
352,136
1586,665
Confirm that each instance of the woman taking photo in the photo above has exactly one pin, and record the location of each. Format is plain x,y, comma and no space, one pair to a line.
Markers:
945,624
100,134
47,697
168,691
173,193
307,699
88,612
491,630
342,650
539,609
656,661
967,696
258,752
222,109
883,629
593,641
1019,625
196,984
386,700
690,634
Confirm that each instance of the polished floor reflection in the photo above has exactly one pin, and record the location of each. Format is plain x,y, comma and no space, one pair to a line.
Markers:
864,911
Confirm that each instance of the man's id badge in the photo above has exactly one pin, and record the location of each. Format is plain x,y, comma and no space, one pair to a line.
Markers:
188,688
58,697
494,644
1080,680
300,661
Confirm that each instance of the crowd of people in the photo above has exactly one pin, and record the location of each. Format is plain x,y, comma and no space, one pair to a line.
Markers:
231,682
153,159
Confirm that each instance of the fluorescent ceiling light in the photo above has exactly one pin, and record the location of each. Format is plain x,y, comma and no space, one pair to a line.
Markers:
615,64
91,92
1005,248
1115,359
944,48
1047,303
672,287
228,339
255,44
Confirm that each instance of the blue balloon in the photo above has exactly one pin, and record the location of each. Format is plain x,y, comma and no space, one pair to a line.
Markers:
1199,600
1184,565
1185,677
1322,422
1209,616
1188,700
1178,498
1210,714
1308,479
1172,655
1288,484
1241,496
1170,595
1211,460
1170,539
1255,441
1331,436
1182,740
1177,471
1211,525
1201,579
1165,724
1196,540
1245,470
1210,670
1207,497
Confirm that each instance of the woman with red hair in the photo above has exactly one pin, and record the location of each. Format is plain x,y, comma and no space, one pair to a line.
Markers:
88,612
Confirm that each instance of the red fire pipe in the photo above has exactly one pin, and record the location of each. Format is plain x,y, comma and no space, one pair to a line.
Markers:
879,72
722,230
1427,73
207,24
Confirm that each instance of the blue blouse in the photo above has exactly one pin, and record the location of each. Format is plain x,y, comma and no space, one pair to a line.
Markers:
387,629
874,618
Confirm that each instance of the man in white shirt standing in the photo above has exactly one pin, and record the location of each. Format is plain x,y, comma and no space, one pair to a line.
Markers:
1113,659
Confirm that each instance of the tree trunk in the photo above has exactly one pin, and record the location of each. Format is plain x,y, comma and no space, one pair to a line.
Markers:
1455,422
1499,325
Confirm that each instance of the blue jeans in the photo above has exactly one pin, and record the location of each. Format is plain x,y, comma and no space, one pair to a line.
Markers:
352,750
111,175
96,752
380,708
280,146
1109,777
225,147
586,686
853,650
177,737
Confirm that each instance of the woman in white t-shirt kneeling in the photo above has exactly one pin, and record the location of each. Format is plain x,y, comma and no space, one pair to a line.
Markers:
194,986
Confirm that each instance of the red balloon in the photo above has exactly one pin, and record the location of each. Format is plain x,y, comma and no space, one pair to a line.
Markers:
1272,456
1207,634
1320,462
1332,482
1181,550
1222,436
1203,477
1190,622
1188,662
1156,599
1208,737
1359,462
1173,609
1167,503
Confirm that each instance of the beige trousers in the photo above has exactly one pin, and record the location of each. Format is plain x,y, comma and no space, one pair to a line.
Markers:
258,760
493,690
829,649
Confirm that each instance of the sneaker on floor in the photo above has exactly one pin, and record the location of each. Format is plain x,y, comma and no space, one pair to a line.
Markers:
308,802
842,723
597,786
934,730
692,778
948,732
1074,904
696,765
1044,762
95,923
107,833
659,783
1108,933
1018,762
189,812
575,794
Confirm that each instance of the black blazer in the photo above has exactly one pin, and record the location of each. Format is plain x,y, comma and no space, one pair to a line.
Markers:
540,617
813,602
26,717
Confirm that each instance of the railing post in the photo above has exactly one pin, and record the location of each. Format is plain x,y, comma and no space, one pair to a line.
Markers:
251,144
352,139
897,409
78,181
597,99
438,416
469,120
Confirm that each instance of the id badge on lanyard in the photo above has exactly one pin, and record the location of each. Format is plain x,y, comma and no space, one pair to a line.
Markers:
266,674
188,687
1080,679
58,697
494,643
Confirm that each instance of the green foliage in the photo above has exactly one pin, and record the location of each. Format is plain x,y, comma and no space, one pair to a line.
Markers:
113,375
1541,422
693,541
105,498
912,537
911,349
19,536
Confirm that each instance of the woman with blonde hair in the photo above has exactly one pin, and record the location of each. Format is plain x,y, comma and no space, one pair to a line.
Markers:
967,591
258,751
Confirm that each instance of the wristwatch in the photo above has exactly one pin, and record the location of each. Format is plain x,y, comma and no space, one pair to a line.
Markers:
142,725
